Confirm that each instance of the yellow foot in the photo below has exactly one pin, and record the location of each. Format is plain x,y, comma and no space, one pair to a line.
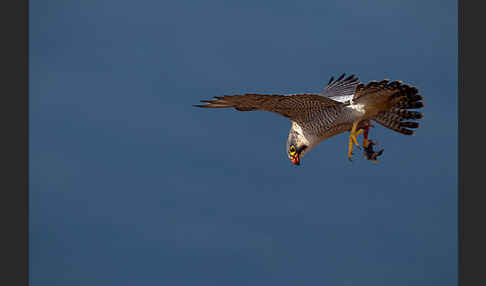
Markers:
352,139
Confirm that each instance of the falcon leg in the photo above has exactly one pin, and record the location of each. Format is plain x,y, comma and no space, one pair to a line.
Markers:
355,141
352,139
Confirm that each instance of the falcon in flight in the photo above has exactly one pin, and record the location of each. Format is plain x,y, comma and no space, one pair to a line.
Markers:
344,105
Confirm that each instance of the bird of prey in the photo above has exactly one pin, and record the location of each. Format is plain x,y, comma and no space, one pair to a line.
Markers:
344,105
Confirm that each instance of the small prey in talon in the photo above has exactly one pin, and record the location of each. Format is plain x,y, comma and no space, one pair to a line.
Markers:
368,151
371,154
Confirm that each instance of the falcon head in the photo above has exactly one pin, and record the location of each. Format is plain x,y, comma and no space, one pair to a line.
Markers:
297,146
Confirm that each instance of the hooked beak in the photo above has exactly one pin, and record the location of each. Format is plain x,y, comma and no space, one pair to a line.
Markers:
295,159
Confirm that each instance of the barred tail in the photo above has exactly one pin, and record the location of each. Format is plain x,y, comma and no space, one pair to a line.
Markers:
397,118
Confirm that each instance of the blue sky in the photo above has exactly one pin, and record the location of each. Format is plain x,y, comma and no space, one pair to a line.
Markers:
131,185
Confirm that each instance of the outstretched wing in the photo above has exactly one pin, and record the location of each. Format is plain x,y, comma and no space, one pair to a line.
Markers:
295,107
342,89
